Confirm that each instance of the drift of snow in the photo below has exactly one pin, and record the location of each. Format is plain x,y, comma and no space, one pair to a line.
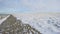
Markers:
2,20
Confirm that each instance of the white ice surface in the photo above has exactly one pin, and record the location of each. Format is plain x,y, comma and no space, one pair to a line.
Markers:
47,24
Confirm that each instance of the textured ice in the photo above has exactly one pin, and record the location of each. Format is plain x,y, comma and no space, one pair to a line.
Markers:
47,24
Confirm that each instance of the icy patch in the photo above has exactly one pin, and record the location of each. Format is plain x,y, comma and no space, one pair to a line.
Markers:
2,20
46,24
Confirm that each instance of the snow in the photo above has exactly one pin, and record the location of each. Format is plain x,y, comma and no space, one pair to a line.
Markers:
46,24
2,20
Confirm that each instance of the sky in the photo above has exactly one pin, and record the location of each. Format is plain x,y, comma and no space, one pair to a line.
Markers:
29,6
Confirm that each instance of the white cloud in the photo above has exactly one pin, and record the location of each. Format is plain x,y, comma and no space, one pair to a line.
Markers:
42,5
33,5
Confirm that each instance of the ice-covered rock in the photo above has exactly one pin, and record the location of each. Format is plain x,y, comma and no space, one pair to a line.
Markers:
11,25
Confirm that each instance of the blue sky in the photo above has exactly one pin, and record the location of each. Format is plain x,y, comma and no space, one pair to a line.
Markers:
29,6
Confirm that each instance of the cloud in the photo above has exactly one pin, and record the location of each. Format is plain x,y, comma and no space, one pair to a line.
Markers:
42,5
32,5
